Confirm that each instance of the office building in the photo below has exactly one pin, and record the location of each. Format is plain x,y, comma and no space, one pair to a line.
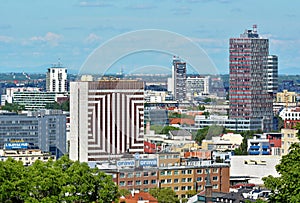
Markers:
179,79
248,92
272,75
197,86
44,129
56,79
289,136
106,118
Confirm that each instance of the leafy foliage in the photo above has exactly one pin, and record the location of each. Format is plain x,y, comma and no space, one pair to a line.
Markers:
55,181
163,129
164,195
13,107
286,188
65,106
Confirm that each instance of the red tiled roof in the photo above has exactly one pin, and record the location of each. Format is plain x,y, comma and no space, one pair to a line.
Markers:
140,196
187,121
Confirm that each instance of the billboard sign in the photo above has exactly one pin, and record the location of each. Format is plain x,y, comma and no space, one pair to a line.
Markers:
126,163
16,145
148,162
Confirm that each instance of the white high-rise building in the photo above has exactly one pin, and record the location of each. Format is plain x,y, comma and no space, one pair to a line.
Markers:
56,79
197,86
179,79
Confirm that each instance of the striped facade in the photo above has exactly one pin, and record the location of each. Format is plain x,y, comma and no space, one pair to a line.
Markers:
107,118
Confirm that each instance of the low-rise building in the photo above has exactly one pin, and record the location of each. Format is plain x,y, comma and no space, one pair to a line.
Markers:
289,136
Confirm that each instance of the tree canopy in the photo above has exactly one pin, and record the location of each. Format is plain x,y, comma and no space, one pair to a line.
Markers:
286,188
55,181
13,107
164,195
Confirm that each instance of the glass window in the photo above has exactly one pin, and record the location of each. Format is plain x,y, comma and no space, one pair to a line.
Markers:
122,175
146,174
169,180
215,170
129,183
146,182
183,180
162,173
176,180
215,186
153,181
153,173
189,171
175,172
182,187
189,180
129,175
199,171
122,183
137,174
183,172
138,182
176,188
199,179
215,178
169,172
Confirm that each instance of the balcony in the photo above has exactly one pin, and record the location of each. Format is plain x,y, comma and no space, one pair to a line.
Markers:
254,147
254,152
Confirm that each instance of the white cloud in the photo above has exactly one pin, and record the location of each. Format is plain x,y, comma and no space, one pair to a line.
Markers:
5,39
92,38
51,38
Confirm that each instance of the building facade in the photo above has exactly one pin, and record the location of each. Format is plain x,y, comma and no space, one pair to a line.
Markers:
289,136
179,79
197,86
46,130
34,100
248,92
56,79
106,118
272,75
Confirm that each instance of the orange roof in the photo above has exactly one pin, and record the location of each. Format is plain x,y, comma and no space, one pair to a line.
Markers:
140,196
182,121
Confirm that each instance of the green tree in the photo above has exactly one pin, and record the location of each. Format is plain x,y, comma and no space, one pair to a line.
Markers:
164,195
200,135
65,106
13,107
286,188
55,181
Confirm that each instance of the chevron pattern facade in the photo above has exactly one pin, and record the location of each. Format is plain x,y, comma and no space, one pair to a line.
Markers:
107,118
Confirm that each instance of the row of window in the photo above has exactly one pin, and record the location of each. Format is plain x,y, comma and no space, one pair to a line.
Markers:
138,174
189,171
137,182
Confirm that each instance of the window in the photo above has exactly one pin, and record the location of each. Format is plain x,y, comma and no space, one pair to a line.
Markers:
215,186
199,179
162,173
189,172
215,178
146,189
199,171
176,180
122,183
169,180
146,174
153,173
122,175
138,182
215,170
183,180
137,174
162,181
189,187
129,183
183,172
182,187
176,172
153,182
146,182
169,173
129,175
189,180
176,188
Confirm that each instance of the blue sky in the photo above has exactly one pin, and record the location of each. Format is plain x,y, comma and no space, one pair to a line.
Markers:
34,33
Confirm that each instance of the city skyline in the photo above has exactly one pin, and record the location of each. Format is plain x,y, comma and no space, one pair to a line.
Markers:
41,32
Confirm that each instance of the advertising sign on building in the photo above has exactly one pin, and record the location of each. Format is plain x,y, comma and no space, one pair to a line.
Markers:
16,145
126,163
148,162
